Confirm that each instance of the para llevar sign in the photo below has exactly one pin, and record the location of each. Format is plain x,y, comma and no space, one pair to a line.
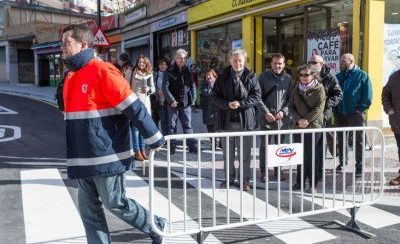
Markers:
100,39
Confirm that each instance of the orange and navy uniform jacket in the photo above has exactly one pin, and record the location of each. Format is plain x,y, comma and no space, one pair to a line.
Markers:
99,106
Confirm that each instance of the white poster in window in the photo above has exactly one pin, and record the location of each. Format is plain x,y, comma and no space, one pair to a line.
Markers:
174,39
391,56
285,154
180,37
325,43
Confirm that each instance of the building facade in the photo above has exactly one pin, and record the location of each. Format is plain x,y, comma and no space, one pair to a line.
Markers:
296,28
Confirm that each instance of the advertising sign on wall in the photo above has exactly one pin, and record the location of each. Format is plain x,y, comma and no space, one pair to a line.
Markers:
327,44
391,56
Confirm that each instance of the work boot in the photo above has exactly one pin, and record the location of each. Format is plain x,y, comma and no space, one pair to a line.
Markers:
138,156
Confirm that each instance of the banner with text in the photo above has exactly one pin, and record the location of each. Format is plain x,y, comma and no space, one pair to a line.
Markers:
327,44
391,56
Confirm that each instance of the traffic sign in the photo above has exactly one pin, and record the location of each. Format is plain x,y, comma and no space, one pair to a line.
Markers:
100,39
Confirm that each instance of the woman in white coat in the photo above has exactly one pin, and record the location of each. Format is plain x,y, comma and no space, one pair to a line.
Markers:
142,84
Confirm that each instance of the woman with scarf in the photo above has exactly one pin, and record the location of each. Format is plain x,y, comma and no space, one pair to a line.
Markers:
306,107
141,81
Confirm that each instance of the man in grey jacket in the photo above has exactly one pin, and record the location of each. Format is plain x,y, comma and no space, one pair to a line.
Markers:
275,86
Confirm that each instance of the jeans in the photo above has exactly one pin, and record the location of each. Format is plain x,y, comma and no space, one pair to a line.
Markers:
185,117
111,191
137,140
160,114
350,120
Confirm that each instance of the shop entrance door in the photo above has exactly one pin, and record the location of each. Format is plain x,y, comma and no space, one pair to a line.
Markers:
44,72
286,32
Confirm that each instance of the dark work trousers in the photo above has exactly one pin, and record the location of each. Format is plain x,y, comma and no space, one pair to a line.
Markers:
262,150
185,117
308,155
350,120
397,136
234,143
160,114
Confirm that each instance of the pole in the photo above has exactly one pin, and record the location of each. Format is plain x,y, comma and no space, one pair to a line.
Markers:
99,13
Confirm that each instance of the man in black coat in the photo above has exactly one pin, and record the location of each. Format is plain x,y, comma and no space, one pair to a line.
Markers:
334,95
180,93
276,87
236,94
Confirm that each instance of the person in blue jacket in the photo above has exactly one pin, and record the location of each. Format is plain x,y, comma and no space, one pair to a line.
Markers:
99,106
357,97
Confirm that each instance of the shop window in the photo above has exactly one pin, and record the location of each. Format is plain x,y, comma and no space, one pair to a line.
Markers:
213,45
391,44
170,41
2,54
322,27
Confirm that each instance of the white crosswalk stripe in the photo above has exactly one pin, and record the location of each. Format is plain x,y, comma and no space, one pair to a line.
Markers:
50,215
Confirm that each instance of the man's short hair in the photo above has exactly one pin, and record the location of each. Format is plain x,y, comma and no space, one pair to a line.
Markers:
162,60
278,56
80,33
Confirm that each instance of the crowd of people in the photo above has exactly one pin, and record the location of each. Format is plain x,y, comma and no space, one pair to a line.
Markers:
239,100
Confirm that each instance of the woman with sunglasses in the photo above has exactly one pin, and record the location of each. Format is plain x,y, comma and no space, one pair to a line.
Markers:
306,107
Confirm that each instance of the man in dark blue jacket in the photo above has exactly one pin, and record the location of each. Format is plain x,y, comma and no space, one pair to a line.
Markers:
99,106
180,93
357,97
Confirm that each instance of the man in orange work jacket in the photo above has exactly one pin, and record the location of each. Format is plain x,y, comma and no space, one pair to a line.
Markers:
98,107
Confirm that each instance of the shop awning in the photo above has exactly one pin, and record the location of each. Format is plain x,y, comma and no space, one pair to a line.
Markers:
136,42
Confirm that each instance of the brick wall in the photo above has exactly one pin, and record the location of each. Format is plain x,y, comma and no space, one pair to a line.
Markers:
157,6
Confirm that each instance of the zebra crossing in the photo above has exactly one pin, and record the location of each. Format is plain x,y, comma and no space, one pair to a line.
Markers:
50,213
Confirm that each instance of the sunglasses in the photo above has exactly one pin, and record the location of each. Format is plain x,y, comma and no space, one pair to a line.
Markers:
304,75
312,62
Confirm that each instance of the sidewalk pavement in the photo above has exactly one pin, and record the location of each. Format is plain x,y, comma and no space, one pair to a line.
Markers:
47,94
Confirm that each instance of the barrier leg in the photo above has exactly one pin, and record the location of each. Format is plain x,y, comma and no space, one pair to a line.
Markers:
200,237
353,226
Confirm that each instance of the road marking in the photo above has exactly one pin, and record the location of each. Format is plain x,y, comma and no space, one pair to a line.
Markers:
368,215
293,230
138,189
50,214
4,110
16,134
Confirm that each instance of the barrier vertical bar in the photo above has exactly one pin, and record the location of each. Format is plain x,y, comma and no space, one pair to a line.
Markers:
290,180
213,181
323,167
169,184
227,151
241,177
354,165
279,179
266,176
254,177
363,167
184,186
199,181
313,143
302,177
373,167
334,168
344,143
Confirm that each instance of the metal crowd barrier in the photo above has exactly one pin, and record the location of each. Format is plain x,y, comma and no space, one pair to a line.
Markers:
337,191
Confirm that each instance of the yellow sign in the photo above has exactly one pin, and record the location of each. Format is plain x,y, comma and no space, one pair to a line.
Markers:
214,8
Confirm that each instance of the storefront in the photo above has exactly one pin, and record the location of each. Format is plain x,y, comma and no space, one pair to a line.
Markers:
295,28
169,35
48,67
